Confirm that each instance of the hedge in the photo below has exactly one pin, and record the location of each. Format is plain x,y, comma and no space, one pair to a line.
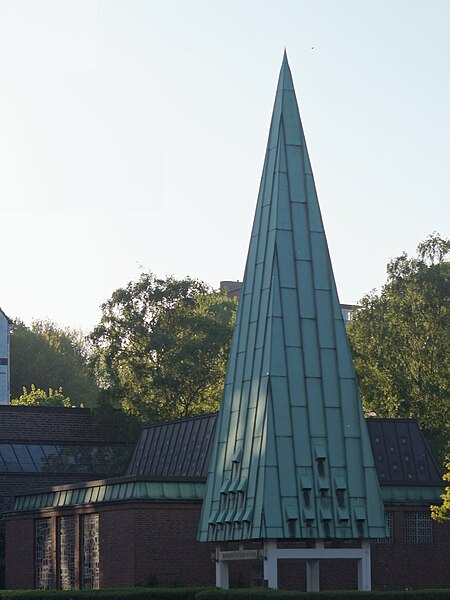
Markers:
156,593
106,594
262,594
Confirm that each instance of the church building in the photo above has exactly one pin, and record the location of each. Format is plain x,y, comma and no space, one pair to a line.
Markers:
288,485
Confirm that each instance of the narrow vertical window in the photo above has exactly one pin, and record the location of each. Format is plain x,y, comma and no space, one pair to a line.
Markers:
91,552
67,553
44,554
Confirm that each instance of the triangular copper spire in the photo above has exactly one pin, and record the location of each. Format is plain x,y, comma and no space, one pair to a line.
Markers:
292,456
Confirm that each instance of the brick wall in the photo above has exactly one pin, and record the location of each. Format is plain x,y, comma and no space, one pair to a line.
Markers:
334,575
154,543
404,565
19,560
117,546
166,550
57,425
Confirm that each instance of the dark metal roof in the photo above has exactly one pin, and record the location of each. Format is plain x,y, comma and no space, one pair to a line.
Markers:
174,449
401,452
182,448
170,461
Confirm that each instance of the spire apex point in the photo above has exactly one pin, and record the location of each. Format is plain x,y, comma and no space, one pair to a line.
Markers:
285,78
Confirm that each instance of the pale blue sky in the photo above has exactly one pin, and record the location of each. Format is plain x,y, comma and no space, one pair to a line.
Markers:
132,135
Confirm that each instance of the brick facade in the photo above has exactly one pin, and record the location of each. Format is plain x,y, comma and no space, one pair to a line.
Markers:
154,543
19,540
403,565
143,543
41,424
166,551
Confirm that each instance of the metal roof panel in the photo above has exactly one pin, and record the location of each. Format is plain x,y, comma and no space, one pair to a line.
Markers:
174,449
305,289
291,324
401,453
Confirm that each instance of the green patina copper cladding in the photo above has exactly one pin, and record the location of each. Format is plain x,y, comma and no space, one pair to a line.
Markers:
292,456
412,494
111,490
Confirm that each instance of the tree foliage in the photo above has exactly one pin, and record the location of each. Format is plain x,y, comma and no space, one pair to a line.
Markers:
48,356
401,342
38,397
161,347
442,512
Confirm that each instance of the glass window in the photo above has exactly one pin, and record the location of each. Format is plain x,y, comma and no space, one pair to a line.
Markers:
50,458
2,464
97,458
9,458
418,528
38,457
24,458
82,458
90,552
44,554
67,545
67,457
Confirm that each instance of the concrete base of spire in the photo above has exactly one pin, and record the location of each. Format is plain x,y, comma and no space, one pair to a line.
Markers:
312,556
222,576
312,576
271,564
364,568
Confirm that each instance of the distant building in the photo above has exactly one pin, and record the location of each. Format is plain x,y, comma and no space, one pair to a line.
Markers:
347,310
5,328
232,288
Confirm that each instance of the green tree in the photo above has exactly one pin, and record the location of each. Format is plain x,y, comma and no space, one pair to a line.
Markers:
400,340
38,397
442,512
161,347
48,356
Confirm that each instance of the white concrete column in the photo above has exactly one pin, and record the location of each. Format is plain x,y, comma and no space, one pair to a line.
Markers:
313,570
312,576
364,568
222,578
271,564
